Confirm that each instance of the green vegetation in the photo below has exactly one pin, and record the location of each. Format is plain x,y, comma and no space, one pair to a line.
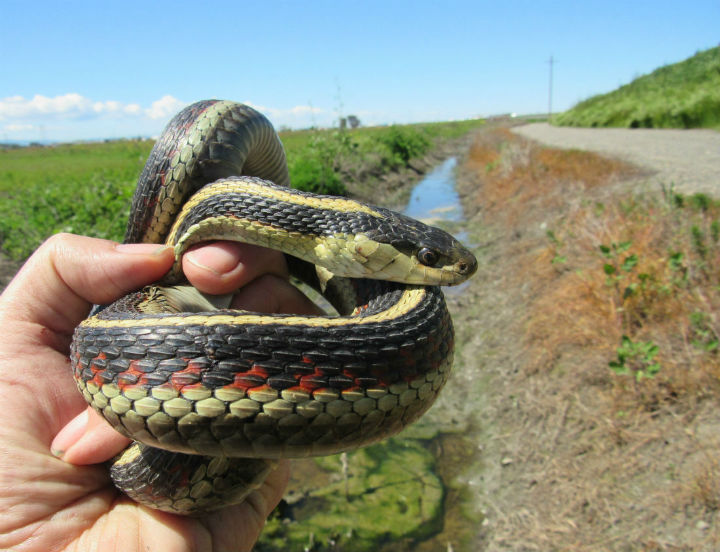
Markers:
681,95
655,288
86,188
387,493
80,188
636,359
404,144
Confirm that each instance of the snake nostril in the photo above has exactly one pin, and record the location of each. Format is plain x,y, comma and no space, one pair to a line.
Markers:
462,267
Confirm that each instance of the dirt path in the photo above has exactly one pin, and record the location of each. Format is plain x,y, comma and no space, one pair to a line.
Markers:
688,158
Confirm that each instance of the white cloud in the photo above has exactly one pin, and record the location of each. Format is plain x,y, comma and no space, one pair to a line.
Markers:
132,109
299,116
305,109
109,106
73,116
164,108
73,105
16,107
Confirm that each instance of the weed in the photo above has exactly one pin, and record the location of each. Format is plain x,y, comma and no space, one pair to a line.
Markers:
636,359
615,269
315,168
405,143
703,334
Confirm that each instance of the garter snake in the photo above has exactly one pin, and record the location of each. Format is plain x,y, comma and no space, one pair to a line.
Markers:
201,388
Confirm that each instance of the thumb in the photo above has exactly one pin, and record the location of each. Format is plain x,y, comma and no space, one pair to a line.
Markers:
68,273
87,439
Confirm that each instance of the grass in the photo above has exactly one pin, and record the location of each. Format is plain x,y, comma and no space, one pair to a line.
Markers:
620,273
640,276
681,95
616,369
83,188
86,188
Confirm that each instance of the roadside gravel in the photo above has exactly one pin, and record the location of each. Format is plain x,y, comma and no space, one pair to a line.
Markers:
687,159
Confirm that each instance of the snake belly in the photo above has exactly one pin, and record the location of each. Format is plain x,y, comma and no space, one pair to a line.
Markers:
213,396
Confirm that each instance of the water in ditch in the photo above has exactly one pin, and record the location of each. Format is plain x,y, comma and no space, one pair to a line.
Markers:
435,201
434,198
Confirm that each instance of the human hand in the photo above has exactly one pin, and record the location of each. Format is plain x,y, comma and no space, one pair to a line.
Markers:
49,503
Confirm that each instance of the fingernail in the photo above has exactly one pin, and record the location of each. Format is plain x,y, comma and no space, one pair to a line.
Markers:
70,434
142,248
217,259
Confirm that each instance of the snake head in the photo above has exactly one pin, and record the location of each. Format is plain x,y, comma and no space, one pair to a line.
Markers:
403,249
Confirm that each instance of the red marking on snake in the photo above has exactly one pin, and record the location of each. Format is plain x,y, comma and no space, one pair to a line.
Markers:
258,389
186,376
254,372
96,370
167,386
314,381
194,387
132,371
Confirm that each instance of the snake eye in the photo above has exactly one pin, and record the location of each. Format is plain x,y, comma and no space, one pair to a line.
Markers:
428,257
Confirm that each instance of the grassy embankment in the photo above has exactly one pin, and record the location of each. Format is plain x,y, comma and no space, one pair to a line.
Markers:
616,325
86,188
681,95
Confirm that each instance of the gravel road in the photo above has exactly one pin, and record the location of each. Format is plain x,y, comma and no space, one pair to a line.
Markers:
689,159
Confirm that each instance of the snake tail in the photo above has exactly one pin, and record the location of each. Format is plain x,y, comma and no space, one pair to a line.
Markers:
186,484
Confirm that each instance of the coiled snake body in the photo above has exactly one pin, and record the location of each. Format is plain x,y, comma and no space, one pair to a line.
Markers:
210,395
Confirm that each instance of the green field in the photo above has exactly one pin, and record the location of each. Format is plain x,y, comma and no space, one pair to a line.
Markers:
681,95
86,188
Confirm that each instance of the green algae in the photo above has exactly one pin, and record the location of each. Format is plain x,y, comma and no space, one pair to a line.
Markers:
391,495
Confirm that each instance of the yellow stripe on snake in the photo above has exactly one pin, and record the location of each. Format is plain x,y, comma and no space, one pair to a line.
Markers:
212,396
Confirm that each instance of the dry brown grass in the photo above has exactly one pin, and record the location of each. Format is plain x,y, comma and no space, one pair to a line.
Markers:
521,178
667,294
605,461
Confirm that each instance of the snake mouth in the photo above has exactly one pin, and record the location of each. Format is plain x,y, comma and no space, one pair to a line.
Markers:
467,267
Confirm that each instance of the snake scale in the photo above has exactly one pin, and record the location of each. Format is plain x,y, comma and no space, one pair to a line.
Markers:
213,396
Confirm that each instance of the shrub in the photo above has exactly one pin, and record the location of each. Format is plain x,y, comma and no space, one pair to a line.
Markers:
405,143
315,167
311,174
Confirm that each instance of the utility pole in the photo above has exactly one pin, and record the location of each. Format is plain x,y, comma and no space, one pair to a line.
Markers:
551,62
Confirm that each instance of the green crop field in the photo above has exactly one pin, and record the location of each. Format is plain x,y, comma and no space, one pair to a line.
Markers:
86,188
681,95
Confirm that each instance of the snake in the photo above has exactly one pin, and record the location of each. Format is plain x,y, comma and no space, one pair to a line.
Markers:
213,397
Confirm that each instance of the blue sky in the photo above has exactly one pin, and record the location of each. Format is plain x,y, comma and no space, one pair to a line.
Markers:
87,70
